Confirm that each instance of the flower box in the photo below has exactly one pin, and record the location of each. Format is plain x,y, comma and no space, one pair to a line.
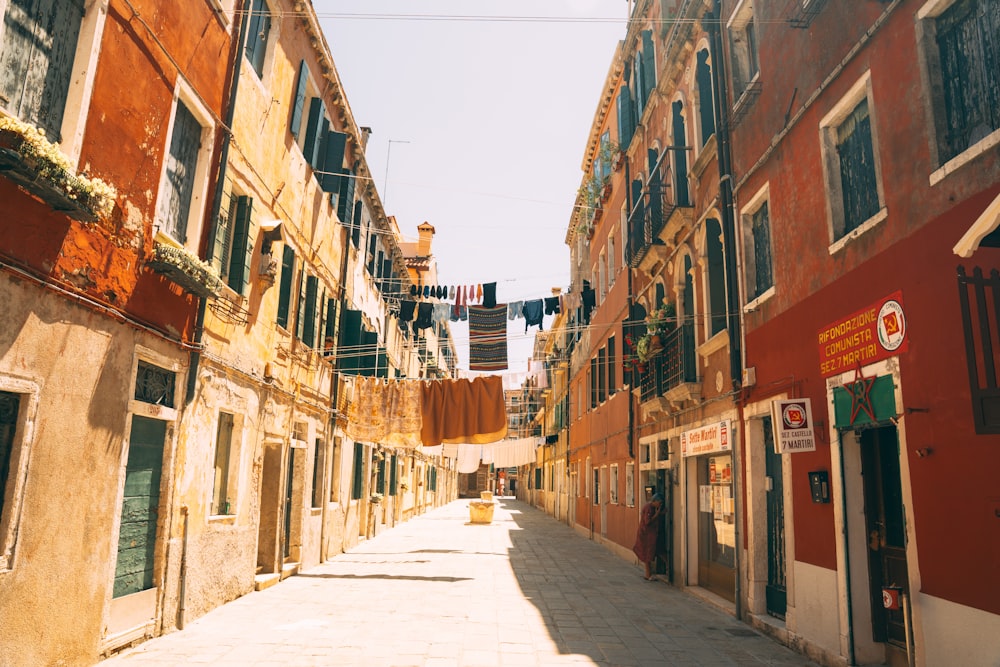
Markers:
28,159
185,270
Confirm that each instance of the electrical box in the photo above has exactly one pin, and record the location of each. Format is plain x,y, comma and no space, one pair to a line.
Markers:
819,484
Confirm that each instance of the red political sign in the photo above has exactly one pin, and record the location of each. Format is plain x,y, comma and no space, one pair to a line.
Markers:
869,335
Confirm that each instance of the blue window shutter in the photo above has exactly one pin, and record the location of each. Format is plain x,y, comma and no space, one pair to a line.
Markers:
314,129
648,64
299,101
36,59
285,288
181,163
259,28
242,251
333,161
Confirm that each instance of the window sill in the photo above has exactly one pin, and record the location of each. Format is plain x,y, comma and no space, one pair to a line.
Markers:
707,154
866,226
714,344
969,155
222,519
758,301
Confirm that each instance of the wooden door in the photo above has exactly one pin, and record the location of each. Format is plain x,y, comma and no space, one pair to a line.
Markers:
775,590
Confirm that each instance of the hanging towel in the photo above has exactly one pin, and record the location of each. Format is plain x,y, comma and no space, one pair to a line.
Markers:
552,305
463,411
533,314
489,295
468,458
385,412
488,338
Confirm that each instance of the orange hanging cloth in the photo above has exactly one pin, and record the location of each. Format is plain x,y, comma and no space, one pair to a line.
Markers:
463,411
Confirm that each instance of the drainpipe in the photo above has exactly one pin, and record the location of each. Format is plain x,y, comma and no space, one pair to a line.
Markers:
713,25
183,591
192,381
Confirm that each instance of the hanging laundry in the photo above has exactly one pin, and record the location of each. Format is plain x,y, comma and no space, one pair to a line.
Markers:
463,313
440,312
489,295
536,369
514,452
479,293
467,460
425,316
463,411
552,305
385,412
488,338
427,291
589,298
413,290
515,310
406,309
452,292
533,314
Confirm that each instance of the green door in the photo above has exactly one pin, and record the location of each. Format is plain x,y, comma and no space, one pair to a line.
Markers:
140,507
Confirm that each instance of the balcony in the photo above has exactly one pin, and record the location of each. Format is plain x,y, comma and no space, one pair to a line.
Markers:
671,377
653,224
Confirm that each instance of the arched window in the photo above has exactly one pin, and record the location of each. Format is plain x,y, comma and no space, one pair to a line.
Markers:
681,198
706,106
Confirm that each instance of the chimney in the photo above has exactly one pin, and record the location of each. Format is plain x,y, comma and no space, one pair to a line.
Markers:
426,231
365,133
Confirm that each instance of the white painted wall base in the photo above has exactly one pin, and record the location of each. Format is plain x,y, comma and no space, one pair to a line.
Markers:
953,634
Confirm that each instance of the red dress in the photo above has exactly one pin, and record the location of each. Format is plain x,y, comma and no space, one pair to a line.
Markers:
645,539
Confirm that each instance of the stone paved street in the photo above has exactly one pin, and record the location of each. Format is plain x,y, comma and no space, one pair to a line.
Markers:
437,590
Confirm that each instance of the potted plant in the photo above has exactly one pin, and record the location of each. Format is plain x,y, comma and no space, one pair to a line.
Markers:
185,269
376,498
659,322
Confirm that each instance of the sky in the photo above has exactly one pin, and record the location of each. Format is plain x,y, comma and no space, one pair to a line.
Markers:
480,114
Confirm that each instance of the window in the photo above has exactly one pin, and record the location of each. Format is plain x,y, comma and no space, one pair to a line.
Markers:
393,475
538,478
706,107
37,49
612,365
358,481
380,473
663,450
597,485
756,221
743,47
850,160
611,260
594,400
299,100
233,253
227,464
716,276
613,485
307,311
319,465
285,286
681,195
964,58
602,378
630,484
13,465
257,35
602,274
586,487
185,175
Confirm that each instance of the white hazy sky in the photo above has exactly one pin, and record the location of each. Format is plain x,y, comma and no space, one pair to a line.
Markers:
482,124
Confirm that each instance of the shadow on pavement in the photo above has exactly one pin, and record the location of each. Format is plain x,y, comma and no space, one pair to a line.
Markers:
307,575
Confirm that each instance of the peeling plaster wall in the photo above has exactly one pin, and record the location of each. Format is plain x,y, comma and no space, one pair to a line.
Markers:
53,600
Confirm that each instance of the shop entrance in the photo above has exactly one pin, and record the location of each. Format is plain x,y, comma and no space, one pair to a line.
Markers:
885,529
716,527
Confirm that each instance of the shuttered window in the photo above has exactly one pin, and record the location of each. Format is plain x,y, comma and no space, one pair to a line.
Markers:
36,60
285,287
333,162
968,42
626,125
612,364
330,328
308,316
350,342
181,163
300,305
761,231
857,168
240,250
393,472
602,375
716,276
299,100
681,197
358,481
648,59
706,108
316,126
356,224
257,35
345,201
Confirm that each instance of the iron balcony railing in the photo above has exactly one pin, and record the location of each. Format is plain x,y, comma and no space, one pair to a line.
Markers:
649,214
674,365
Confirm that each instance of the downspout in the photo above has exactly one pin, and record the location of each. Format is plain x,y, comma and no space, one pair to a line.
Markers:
713,25
182,603
847,553
237,60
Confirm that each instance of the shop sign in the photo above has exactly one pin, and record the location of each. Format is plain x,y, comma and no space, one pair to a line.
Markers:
793,426
869,335
707,439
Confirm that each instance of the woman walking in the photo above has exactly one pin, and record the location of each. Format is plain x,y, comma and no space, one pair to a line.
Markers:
649,531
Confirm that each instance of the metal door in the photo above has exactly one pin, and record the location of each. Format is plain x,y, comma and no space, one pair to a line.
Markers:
886,529
775,590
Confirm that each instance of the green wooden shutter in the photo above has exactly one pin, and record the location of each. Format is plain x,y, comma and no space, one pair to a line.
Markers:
285,288
308,324
300,305
333,162
242,250
36,60
350,342
345,204
356,224
648,65
223,240
330,330
299,101
260,27
624,117
314,130
358,483
320,318
380,478
393,483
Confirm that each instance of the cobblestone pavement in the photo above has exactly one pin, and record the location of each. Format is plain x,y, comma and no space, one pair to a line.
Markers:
439,591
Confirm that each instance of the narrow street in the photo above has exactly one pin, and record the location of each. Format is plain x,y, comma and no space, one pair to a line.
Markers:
437,590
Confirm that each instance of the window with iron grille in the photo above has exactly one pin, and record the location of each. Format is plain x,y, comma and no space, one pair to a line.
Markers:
154,385
966,78
756,222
